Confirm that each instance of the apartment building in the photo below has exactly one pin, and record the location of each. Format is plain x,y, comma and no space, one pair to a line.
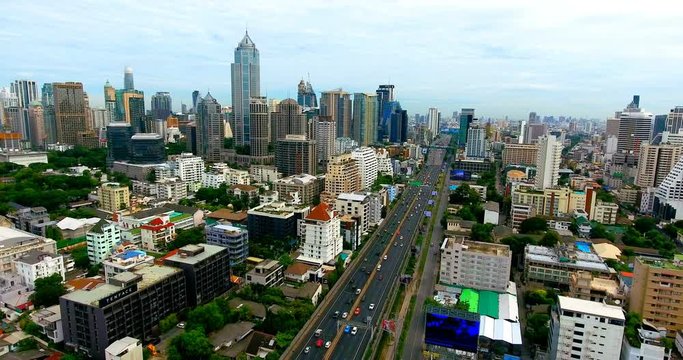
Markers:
157,233
519,154
322,239
477,265
125,261
554,266
343,176
656,292
113,197
38,264
206,268
268,273
605,213
235,239
101,239
276,219
14,243
301,188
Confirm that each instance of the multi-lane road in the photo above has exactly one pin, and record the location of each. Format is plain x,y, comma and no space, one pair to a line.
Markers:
365,293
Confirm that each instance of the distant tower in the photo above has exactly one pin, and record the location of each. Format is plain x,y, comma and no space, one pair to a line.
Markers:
365,118
337,105
246,84
195,96
210,129
128,78
385,95
161,105
110,102
306,96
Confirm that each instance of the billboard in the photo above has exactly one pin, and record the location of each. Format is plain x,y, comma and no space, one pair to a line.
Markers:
452,332
463,175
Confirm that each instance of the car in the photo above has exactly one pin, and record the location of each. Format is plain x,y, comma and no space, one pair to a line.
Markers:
379,267
307,349
358,291
328,344
181,325
357,311
371,307
354,331
401,244
335,315
385,257
380,277
345,315
318,332
347,329
401,237
319,343
395,244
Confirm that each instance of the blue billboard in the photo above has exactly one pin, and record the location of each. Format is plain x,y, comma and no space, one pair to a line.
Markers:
463,175
452,332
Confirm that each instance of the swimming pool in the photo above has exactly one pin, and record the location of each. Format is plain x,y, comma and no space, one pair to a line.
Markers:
583,246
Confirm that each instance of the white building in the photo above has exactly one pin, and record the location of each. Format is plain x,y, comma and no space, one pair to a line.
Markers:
213,179
39,264
384,162
344,144
673,138
548,162
433,121
367,166
649,345
482,266
157,233
357,205
491,213
583,329
264,173
101,239
188,168
127,348
237,177
50,321
125,261
475,148
322,236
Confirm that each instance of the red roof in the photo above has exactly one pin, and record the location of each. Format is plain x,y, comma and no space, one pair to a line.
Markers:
160,261
157,221
320,212
157,225
627,274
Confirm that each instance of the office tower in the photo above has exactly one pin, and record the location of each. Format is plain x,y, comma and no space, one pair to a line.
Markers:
674,121
306,96
612,125
466,118
365,118
12,114
100,118
130,107
325,130
195,100
522,132
162,105
343,176
433,121
655,162
474,264
475,148
654,293
69,105
118,141
295,155
398,123
110,102
147,148
37,125
322,236
337,105
367,166
246,83
210,128
289,119
113,197
519,154
583,329
273,104
658,127
26,92
668,202
635,128
534,131
128,79
385,94
548,162
533,118
259,130
47,100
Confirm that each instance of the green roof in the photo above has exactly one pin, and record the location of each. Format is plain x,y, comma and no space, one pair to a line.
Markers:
488,303
472,298
180,217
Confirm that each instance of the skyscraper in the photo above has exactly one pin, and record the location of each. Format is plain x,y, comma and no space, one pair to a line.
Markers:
398,122
658,127
476,143
11,113
195,98
325,130
69,105
259,119
246,83
466,118
433,121
548,162
365,118
162,105
295,155
533,118
47,99
26,93
385,94
130,107
118,141
675,120
534,131
635,128
37,125
306,96
289,119
337,105
110,101
655,162
210,129
128,78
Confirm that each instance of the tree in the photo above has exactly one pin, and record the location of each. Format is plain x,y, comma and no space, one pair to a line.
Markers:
168,322
285,260
537,329
599,231
482,232
192,344
671,230
462,305
645,224
184,237
228,143
464,195
27,344
550,239
151,176
533,225
208,317
48,290
54,233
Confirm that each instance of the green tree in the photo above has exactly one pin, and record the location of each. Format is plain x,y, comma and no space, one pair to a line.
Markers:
285,260
599,231
189,236
550,239
462,305
27,344
228,143
208,317
176,148
464,195
54,233
151,176
644,224
671,230
533,225
48,290
482,232
537,329
168,323
192,344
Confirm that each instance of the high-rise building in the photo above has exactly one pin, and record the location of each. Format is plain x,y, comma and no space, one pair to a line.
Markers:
235,239
246,84
466,118
37,125
533,118
584,329
306,97
385,95
658,127
654,292
655,162
110,102
26,92
668,202
343,176
118,141
113,197
534,131
259,127
195,100
130,107
210,128
162,105
612,125
322,239
128,79
365,118
295,155
519,154
147,148
396,128
337,105
635,128
475,264
433,121
207,270
47,99
69,108
100,118
548,162
367,166
325,130
289,119
674,121
475,148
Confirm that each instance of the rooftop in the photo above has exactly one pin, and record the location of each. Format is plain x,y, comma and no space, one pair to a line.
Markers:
565,256
118,346
352,196
11,237
209,250
306,291
277,208
35,256
480,247
322,212
227,214
591,307
676,264
300,179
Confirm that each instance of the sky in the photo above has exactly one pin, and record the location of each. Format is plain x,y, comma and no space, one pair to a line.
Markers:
504,58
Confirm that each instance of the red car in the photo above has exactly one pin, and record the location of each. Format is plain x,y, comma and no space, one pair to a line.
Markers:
319,343
357,311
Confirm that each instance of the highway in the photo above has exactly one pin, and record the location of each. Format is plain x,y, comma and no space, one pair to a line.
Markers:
373,275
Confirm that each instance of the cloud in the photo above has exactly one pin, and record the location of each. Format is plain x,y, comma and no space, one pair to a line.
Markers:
580,58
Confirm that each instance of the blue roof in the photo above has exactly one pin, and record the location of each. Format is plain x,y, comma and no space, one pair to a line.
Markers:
129,254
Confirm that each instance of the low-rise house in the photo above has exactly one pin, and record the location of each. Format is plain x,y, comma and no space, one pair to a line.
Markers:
301,272
230,335
72,228
257,310
38,264
239,189
50,321
308,291
267,273
157,234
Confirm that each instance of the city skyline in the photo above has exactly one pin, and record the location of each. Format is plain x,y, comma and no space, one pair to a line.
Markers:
505,59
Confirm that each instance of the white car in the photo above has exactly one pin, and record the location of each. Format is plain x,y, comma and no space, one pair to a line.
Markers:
327,344
385,257
344,315
181,325
371,307
354,331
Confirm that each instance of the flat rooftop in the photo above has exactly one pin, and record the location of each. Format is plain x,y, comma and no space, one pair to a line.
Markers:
579,260
481,247
676,264
209,250
11,237
277,208
591,307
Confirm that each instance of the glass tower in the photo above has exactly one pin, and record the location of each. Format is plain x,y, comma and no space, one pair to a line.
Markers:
246,82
